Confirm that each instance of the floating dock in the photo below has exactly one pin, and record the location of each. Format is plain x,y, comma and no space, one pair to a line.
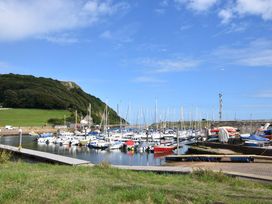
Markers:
44,156
238,148
216,157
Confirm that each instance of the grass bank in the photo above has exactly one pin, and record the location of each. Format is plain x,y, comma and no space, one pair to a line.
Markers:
29,117
45,183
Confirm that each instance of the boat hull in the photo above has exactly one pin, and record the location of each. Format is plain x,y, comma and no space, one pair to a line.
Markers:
162,149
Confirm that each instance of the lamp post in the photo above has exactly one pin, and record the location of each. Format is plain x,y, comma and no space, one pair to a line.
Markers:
20,139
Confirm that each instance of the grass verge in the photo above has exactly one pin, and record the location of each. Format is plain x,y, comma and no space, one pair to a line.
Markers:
45,183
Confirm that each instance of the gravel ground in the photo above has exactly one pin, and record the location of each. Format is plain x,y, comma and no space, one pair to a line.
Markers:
257,168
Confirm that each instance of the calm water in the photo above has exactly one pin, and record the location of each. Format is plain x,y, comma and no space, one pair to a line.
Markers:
116,157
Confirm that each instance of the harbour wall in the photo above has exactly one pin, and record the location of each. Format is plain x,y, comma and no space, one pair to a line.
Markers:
245,126
27,130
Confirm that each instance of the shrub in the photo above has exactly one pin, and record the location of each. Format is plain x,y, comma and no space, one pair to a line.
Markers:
4,156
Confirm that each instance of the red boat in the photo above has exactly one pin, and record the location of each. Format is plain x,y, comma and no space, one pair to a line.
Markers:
161,149
129,143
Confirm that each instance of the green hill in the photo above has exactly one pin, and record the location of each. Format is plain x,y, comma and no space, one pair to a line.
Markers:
23,91
30,117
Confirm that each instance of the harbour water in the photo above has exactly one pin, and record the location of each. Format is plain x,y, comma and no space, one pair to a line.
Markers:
116,157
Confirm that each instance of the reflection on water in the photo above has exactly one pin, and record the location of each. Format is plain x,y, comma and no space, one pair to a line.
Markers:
116,157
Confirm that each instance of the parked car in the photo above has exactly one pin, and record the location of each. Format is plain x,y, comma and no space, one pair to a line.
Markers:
9,127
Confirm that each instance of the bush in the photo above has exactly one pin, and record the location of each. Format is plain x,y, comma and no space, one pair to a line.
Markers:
4,156
56,121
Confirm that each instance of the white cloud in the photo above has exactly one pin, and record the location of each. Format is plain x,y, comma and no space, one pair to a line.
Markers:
170,65
120,36
241,8
63,38
258,53
148,79
160,11
233,27
226,15
258,106
4,65
185,27
263,94
164,3
261,8
106,35
31,18
229,10
198,5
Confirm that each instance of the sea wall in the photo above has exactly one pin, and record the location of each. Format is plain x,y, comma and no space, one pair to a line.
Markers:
245,126
27,130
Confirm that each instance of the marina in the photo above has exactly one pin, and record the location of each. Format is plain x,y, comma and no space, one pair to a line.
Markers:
148,147
119,101
262,176
96,156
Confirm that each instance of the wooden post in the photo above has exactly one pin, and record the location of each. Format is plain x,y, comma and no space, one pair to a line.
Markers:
20,139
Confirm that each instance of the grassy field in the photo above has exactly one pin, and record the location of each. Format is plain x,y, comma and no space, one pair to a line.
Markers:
29,117
45,183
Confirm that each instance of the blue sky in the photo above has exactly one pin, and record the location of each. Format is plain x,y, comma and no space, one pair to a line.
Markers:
180,52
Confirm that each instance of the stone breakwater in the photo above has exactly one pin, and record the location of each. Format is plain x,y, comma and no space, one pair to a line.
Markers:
27,130
245,126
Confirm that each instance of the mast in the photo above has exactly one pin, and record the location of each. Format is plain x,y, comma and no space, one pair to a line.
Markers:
75,120
220,106
181,118
156,122
106,118
190,124
127,115
144,120
118,112
89,116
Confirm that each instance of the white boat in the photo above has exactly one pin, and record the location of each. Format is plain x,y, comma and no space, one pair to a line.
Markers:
33,134
99,144
66,134
85,140
46,140
115,145
255,143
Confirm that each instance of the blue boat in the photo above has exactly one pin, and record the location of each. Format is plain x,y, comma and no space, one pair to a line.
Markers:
44,135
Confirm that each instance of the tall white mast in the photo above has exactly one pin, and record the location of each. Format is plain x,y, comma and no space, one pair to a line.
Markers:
106,119
220,106
156,122
181,118
75,120
89,115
